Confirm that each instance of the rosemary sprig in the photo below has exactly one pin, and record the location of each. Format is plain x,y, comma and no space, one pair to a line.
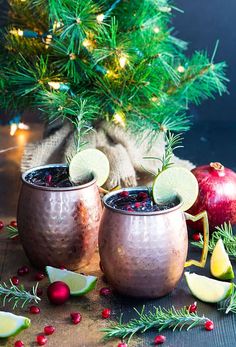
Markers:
161,318
12,232
229,304
224,232
172,142
11,293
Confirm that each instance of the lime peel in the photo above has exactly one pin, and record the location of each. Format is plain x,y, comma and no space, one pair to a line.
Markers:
11,324
220,264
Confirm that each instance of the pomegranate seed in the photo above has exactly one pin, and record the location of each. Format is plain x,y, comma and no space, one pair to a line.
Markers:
106,313
49,330
41,340
13,224
25,269
159,339
142,195
39,292
1,224
39,276
19,343
34,309
192,308
124,194
209,325
122,344
75,317
15,280
21,272
105,291
129,209
138,204
48,179
196,237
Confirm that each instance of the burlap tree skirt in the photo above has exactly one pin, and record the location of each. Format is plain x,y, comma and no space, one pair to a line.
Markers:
125,152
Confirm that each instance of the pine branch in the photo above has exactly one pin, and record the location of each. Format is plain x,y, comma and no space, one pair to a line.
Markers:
160,319
229,305
12,232
224,232
11,293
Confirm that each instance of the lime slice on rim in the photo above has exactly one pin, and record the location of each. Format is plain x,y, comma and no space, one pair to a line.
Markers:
11,324
89,161
207,289
220,264
78,284
175,181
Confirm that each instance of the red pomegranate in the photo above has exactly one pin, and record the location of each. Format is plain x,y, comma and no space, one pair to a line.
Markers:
217,195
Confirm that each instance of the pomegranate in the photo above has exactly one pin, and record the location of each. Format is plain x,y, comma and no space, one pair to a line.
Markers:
217,195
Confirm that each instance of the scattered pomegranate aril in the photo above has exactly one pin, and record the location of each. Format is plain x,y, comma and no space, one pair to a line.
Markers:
122,344
193,307
159,339
75,317
15,280
106,313
196,237
49,330
25,269
13,224
124,194
39,276
19,343
1,225
41,340
20,272
138,204
39,292
209,325
34,309
48,179
105,291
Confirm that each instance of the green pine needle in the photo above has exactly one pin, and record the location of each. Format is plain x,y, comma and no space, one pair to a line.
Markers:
229,305
12,232
160,319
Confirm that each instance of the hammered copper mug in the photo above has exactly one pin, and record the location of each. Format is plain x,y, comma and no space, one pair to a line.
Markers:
143,254
59,226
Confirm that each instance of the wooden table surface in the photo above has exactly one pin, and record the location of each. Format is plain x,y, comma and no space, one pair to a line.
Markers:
88,333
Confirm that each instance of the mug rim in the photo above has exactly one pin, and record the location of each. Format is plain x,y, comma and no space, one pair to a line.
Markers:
135,213
54,189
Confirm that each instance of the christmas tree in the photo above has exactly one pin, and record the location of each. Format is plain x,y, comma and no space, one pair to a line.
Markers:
91,60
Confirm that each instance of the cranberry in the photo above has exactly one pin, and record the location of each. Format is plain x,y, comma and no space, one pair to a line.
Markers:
106,313
41,340
15,280
19,343
196,237
75,317
159,339
13,224
122,344
105,291
124,194
142,195
39,292
39,276
34,309
49,330
192,308
209,325
1,224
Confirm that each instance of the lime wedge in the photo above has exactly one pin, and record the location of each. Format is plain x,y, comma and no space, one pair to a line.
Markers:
208,289
11,324
87,162
176,181
220,264
78,284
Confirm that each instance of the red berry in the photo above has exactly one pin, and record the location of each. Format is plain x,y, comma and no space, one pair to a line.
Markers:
105,291
34,309
39,276
41,340
49,330
39,292
192,308
142,195
106,313
75,317
122,344
124,194
13,224
196,237
138,204
15,280
19,343
209,325
1,224
159,339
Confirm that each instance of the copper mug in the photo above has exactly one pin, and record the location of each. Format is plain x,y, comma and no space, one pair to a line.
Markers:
143,254
59,226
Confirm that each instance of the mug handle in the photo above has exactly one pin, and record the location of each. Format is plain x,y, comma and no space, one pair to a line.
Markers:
203,216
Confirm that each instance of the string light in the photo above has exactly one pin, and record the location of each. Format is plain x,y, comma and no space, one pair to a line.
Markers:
180,69
17,32
78,21
156,30
55,85
123,60
165,9
15,126
72,56
111,74
100,18
119,118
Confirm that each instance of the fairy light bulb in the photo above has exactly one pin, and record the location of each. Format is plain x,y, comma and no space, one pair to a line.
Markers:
13,128
17,32
123,60
156,30
119,118
87,43
55,85
100,18
180,69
